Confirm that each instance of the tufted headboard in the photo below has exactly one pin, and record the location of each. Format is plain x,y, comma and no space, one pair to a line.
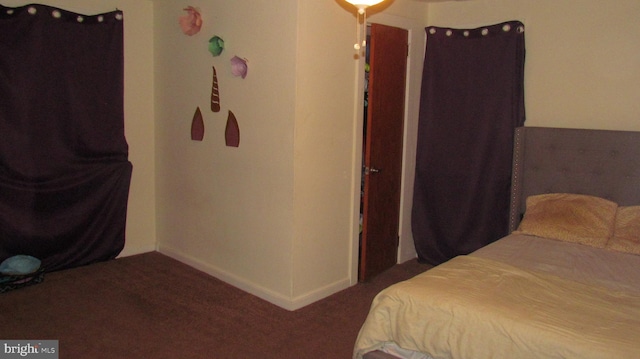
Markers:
601,163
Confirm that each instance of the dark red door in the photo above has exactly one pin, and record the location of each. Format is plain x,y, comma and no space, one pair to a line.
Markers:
383,150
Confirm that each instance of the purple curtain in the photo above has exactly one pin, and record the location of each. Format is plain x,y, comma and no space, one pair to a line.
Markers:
64,169
471,102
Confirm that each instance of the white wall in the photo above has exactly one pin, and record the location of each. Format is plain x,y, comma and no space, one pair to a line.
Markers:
323,154
328,146
138,110
227,210
582,57
276,216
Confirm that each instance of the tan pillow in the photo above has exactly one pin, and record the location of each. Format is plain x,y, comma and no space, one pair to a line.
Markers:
569,217
626,235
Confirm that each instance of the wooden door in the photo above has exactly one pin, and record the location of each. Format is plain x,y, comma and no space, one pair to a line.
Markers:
383,150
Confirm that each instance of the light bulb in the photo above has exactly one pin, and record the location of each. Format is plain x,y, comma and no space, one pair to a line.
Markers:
363,4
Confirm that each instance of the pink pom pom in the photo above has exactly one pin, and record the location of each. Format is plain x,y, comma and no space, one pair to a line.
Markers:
191,22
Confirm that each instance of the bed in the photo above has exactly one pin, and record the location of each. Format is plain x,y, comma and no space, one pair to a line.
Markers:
563,284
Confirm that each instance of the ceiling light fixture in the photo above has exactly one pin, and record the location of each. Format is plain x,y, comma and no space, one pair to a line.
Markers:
362,5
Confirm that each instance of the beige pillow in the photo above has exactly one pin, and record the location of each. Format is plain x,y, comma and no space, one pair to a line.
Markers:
626,235
569,217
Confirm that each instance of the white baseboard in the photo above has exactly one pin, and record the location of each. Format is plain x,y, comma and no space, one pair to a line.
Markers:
320,293
270,296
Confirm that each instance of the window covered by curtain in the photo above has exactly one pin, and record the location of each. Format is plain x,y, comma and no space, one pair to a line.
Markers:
471,102
64,169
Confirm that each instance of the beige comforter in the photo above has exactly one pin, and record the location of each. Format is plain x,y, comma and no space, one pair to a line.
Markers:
475,307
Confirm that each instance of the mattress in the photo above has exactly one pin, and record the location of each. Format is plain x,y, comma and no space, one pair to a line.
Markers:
520,297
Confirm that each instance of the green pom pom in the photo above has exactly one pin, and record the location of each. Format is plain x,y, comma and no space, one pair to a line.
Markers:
216,45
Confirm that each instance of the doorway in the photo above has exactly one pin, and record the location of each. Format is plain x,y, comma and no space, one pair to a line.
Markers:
385,82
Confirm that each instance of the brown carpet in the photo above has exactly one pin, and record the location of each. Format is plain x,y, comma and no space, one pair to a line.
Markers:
151,306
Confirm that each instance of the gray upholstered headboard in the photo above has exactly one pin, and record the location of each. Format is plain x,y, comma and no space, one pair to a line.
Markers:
559,160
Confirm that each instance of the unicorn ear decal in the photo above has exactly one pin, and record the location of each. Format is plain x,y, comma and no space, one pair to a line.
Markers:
232,131
197,126
191,22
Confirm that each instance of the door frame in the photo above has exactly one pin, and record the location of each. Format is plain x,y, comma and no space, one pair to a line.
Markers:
417,38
